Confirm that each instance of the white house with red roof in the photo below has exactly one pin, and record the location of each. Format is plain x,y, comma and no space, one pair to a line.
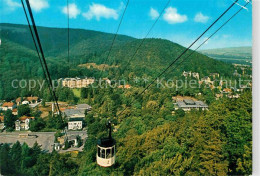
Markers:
8,105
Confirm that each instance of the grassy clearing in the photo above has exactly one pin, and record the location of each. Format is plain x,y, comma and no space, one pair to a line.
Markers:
76,92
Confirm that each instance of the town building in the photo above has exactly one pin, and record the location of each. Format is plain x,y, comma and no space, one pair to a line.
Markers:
74,113
227,90
23,123
206,80
2,125
18,101
8,106
57,146
127,86
33,100
186,74
76,116
234,96
84,107
73,140
75,124
27,100
189,104
218,96
17,125
77,82
196,75
191,74
15,112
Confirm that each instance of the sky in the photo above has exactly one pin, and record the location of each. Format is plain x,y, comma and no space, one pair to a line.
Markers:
181,22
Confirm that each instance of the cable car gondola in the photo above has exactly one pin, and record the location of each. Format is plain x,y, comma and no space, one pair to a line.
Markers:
106,150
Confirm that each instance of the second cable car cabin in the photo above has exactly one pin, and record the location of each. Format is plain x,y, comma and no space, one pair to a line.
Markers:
106,150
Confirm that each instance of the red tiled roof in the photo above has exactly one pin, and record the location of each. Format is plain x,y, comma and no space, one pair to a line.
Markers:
8,104
25,117
62,109
227,90
127,86
14,110
18,100
32,98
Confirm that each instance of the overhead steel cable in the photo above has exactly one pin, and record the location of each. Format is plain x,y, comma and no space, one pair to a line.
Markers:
68,11
212,34
42,53
113,41
36,48
149,31
175,60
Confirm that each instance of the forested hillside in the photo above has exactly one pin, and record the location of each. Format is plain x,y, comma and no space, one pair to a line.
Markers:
156,54
152,137
54,40
150,140
18,57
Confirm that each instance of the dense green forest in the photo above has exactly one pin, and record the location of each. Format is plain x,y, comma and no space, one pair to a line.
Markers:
150,139
18,59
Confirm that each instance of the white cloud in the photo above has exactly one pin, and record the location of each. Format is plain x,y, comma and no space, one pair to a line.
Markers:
73,10
12,4
100,11
171,16
38,5
153,13
200,18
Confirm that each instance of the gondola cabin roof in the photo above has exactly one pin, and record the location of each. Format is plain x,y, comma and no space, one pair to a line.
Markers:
106,142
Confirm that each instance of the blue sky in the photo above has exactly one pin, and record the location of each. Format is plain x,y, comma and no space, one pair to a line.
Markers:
181,22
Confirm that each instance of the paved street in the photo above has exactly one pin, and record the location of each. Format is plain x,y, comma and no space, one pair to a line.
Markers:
45,139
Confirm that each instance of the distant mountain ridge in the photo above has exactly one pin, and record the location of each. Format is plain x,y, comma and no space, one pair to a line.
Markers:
55,42
240,55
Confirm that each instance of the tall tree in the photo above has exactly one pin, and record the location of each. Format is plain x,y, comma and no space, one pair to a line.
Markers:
16,157
24,110
5,162
9,120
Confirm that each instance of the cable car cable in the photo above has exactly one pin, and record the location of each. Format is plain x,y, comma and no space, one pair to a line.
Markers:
171,64
113,41
36,48
42,53
68,15
149,31
211,35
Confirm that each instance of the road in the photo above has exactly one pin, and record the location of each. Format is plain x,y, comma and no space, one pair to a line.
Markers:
44,139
